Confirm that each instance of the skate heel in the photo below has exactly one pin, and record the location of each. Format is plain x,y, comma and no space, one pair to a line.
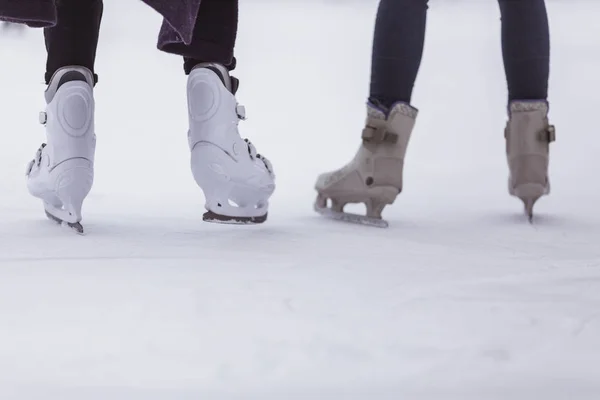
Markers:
209,163
529,191
384,194
230,198
73,182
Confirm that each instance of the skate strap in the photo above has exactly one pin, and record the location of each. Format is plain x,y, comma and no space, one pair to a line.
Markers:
372,134
548,134
254,155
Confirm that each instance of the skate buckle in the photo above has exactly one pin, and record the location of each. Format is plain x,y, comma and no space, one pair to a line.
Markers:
241,112
548,134
378,135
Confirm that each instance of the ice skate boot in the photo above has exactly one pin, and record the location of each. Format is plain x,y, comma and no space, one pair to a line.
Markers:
236,181
62,172
528,137
374,176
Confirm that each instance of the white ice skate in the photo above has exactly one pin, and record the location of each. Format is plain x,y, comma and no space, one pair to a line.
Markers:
236,181
62,172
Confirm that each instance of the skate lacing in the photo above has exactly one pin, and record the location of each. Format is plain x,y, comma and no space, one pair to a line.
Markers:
255,155
240,110
241,113
37,160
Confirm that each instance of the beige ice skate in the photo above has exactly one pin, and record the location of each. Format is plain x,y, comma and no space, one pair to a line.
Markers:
528,137
374,176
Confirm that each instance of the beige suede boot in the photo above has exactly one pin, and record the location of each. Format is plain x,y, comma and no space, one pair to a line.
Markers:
374,176
528,137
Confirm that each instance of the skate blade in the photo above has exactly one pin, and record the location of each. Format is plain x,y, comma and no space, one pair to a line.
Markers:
529,194
75,226
528,208
213,217
351,218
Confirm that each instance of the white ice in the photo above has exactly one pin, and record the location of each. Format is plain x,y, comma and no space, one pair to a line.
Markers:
459,299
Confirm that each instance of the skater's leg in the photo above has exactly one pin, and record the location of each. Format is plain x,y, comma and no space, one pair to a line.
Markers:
215,34
375,175
62,172
74,39
237,182
526,51
397,50
213,38
525,48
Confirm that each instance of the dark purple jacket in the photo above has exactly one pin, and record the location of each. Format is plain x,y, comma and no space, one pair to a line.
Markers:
178,25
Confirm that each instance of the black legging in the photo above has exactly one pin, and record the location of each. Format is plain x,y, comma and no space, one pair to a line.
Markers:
74,39
399,39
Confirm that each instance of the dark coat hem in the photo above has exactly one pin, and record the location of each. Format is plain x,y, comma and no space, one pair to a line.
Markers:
170,42
177,28
37,15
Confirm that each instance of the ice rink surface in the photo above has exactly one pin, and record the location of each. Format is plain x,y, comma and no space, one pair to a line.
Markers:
459,299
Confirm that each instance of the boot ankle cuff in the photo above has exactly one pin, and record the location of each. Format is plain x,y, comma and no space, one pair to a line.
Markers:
516,106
